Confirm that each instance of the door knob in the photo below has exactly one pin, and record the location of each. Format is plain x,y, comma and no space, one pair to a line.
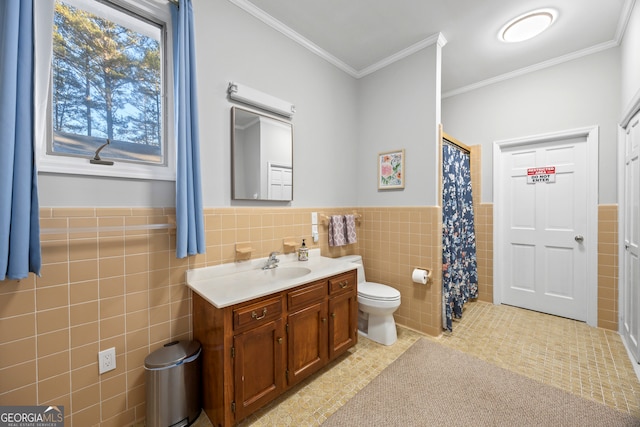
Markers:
579,238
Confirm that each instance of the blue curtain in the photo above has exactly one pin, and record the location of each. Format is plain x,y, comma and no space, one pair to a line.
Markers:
189,219
460,273
19,213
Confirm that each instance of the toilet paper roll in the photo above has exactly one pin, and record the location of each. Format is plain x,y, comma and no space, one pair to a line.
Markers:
419,276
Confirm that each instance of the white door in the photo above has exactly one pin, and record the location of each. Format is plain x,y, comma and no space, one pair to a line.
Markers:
542,203
630,292
280,185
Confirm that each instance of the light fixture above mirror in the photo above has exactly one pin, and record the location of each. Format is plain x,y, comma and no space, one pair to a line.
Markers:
256,98
527,26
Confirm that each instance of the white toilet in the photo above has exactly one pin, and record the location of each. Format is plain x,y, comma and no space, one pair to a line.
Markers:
376,304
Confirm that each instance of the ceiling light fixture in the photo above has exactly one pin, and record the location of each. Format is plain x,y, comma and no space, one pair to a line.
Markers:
527,26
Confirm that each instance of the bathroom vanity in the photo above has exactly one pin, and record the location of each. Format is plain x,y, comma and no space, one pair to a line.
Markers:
263,331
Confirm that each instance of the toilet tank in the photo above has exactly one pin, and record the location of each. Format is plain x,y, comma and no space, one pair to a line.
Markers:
357,259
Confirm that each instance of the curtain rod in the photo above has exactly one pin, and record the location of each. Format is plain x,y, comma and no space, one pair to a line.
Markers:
454,142
456,145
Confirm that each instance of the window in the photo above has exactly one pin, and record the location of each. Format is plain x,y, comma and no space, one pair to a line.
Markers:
107,86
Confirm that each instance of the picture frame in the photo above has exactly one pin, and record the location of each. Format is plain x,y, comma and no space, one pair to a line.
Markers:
391,170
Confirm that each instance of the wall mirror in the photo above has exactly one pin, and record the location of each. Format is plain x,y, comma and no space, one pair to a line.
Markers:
261,157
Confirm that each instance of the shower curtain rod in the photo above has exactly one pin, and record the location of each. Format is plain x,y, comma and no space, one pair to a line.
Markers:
456,144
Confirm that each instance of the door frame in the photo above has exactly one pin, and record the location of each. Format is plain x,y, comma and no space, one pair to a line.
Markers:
629,113
591,134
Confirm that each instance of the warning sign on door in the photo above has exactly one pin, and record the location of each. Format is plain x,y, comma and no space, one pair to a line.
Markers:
546,174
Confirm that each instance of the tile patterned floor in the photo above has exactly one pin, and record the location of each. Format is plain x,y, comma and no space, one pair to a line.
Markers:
585,361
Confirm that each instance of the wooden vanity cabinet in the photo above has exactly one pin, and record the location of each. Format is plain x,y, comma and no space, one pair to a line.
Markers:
258,354
254,351
307,331
343,314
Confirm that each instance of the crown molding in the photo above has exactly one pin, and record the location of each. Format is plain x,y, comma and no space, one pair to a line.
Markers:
314,48
625,15
438,39
627,10
285,30
536,67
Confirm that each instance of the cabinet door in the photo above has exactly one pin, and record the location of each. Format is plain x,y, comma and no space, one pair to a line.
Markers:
343,321
258,367
307,341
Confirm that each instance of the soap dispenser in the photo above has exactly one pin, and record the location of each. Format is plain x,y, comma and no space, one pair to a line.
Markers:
303,252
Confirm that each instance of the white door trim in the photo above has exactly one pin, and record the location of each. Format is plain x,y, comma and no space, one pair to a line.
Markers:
591,134
622,134
632,109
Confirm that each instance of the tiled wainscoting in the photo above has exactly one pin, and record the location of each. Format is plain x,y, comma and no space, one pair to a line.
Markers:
393,242
608,267
105,285
483,216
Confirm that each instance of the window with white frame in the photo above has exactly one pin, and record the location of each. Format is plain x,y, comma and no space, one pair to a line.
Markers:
105,82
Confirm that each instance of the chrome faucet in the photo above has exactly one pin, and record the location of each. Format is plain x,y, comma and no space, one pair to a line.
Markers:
272,262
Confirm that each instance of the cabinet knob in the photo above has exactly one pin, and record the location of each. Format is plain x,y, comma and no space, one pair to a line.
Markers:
324,320
344,284
333,315
255,316
280,340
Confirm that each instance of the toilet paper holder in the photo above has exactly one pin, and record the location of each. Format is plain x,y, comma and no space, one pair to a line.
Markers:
428,270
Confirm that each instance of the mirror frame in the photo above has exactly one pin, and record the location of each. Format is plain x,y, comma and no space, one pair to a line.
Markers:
234,153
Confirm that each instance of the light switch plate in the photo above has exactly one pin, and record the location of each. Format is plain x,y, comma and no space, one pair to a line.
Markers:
314,217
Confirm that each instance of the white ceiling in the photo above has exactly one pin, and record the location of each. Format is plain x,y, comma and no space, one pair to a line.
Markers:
361,36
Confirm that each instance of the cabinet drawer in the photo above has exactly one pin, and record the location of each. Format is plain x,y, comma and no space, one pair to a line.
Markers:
342,283
307,295
257,314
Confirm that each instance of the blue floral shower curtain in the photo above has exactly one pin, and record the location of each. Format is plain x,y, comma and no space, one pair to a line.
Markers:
460,273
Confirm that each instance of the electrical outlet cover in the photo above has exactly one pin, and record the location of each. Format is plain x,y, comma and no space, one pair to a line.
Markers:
107,360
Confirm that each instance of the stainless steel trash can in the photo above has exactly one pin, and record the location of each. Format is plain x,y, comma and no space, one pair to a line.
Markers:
172,375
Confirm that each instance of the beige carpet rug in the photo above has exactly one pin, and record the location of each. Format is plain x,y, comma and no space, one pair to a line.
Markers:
432,385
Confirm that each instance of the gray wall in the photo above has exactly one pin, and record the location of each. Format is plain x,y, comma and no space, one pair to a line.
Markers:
399,108
580,93
233,45
631,59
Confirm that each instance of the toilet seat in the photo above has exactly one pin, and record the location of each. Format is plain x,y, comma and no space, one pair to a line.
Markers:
378,292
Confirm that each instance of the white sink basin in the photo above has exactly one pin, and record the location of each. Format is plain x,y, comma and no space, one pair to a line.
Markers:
282,273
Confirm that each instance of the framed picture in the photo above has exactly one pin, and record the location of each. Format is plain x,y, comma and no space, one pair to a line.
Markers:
391,170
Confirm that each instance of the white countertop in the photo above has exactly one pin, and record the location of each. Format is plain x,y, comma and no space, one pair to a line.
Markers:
229,284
